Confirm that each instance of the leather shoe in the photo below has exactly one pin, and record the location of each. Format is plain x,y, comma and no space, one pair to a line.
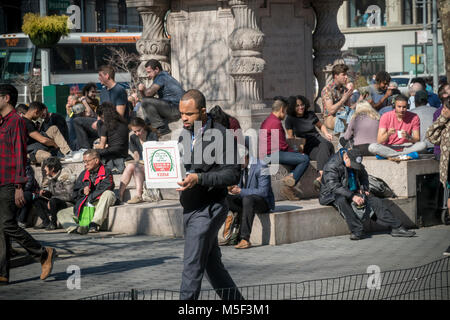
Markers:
227,228
402,232
93,227
243,244
41,226
4,281
47,263
289,181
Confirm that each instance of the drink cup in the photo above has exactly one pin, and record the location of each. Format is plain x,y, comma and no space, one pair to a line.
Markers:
399,134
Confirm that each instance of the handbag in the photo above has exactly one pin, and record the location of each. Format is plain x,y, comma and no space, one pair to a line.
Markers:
87,214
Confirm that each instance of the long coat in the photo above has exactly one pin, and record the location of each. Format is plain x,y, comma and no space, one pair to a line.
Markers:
439,134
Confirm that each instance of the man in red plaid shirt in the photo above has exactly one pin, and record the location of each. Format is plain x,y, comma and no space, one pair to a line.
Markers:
13,156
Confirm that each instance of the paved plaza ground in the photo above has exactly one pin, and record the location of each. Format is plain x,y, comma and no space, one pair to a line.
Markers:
111,262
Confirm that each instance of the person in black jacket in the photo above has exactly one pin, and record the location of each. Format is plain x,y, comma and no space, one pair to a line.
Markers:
203,194
94,186
345,185
30,191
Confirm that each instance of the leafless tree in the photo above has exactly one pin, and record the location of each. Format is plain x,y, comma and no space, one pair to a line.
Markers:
123,61
33,85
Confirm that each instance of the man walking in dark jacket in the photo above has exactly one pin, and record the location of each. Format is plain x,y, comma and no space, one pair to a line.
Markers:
345,185
94,186
203,194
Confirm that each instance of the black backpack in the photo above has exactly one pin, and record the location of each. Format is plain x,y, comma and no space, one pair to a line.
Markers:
379,188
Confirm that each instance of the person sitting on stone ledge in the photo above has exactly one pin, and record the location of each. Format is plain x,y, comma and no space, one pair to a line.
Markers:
302,123
345,186
274,149
57,195
21,109
54,119
135,167
362,129
113,146
164,109
30,190
381,91
398,133
252,195
42,145
425,113
443,92
336,99
93,186
227,121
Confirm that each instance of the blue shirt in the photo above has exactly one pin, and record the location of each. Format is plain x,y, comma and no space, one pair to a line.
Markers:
170,89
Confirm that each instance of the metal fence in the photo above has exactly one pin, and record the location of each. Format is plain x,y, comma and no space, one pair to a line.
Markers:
427,282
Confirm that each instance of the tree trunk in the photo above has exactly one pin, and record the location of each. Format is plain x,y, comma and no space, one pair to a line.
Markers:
444,14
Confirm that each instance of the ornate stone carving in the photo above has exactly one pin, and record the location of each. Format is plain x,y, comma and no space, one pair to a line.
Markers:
247,66
327,40
153,43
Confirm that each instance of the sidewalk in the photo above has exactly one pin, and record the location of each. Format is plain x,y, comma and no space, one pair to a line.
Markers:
111,262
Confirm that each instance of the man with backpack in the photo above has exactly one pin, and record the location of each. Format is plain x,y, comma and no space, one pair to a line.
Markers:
345,186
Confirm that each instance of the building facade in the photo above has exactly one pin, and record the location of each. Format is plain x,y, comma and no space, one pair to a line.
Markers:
382,34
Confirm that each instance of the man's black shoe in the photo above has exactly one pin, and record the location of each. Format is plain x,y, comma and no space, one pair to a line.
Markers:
93,227
402,232
447,252
82,230
51,227
355,237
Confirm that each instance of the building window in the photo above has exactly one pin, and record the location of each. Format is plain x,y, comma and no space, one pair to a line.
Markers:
371,60
412,11
425,66
366,13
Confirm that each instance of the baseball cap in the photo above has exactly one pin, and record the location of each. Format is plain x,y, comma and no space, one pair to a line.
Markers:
78,108
355,159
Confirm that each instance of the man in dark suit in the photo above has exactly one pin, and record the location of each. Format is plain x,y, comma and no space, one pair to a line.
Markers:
252,195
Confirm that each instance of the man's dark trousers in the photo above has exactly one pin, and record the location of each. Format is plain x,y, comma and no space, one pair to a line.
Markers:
383,216
202,253
247,207
10,230
160,112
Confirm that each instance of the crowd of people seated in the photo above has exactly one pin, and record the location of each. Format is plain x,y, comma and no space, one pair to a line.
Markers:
105,128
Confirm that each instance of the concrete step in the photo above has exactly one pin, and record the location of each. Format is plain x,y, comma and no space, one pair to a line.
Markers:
290,222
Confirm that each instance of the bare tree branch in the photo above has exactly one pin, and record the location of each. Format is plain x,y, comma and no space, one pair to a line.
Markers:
123,61
33,84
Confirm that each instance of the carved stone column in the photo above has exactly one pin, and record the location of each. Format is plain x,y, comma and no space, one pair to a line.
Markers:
153,43
246,67
327,40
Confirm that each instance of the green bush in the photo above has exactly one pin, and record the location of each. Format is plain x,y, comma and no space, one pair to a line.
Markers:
36,26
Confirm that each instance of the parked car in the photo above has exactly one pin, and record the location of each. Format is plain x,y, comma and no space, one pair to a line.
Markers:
404,81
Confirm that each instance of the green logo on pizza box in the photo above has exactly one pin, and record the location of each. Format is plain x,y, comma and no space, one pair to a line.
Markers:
161,161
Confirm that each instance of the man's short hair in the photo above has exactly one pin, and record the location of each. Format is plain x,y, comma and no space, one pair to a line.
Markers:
53,163
21,108
92,152
421,98
382,76
338,69
37,105
108,70
11,91
279,103
153,63
197,96
419,80
400,97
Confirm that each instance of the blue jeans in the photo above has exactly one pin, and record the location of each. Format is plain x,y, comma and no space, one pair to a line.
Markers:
297,159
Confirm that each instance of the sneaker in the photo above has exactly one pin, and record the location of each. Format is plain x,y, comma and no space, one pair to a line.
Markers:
82,229
22,225
288,193
51,227
72,230
47,263
289,181
93,228
227,228
402,232
135,199
447,252
355,237
41,226
243,244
